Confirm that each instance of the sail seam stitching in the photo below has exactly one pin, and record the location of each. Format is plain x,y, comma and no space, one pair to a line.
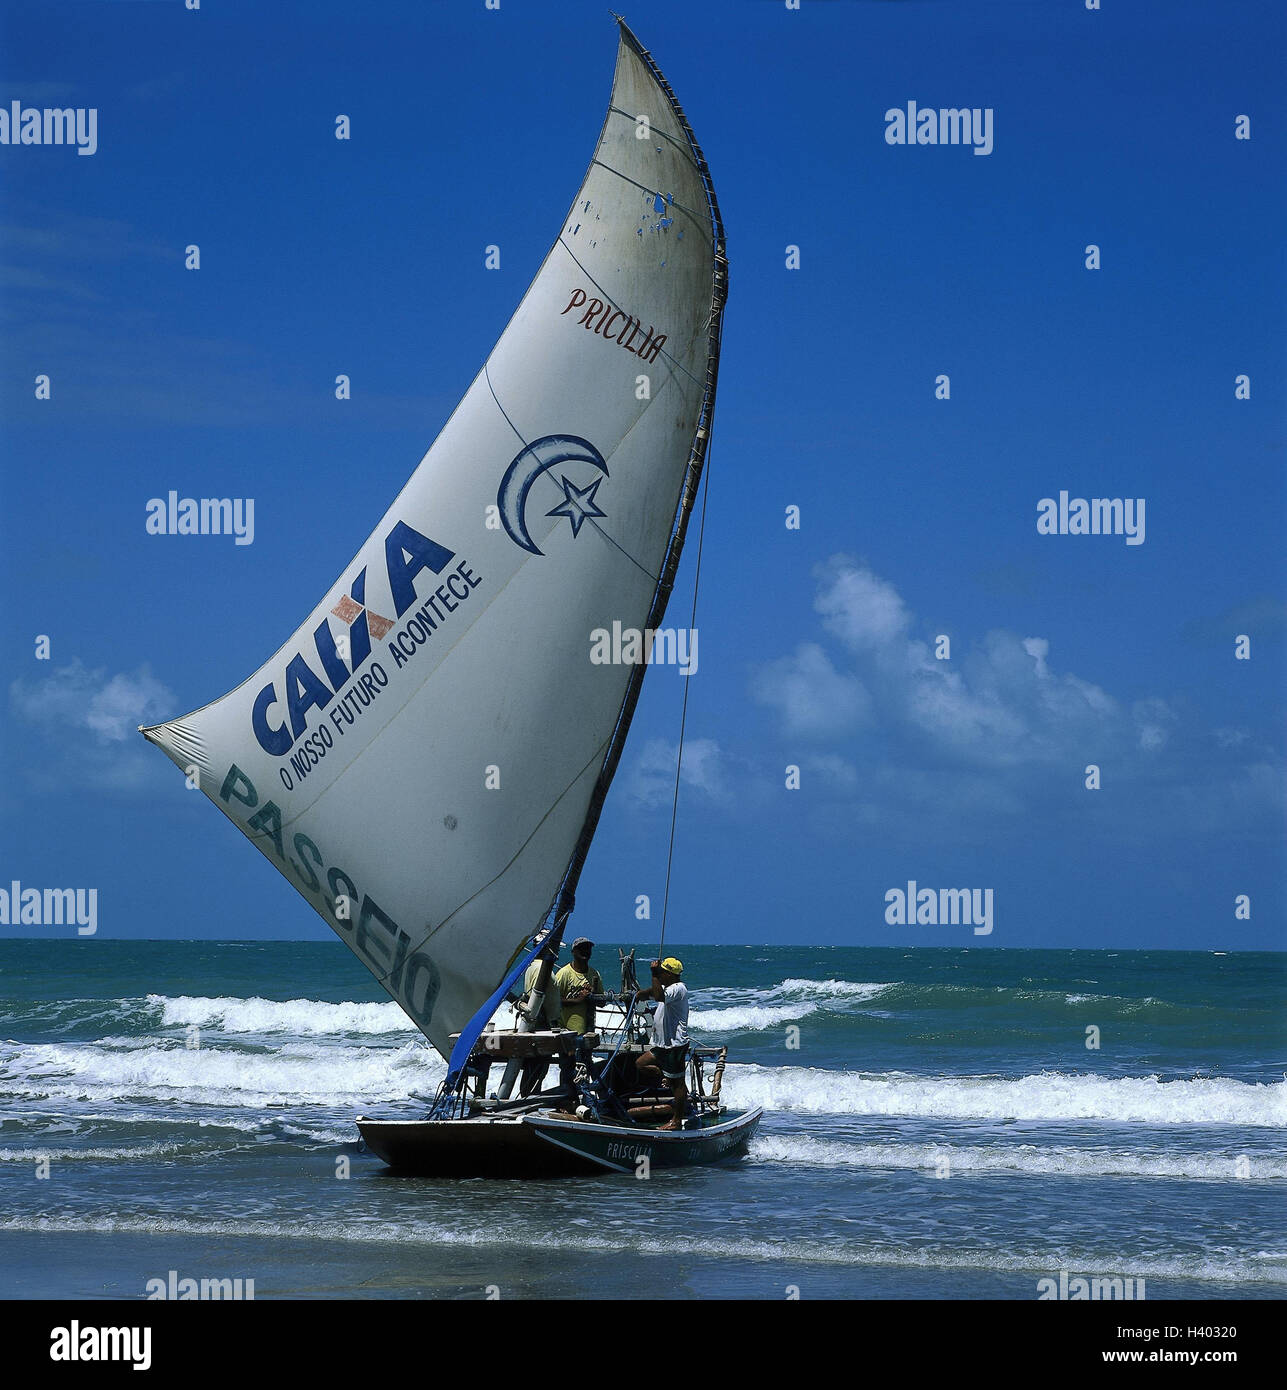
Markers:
665,135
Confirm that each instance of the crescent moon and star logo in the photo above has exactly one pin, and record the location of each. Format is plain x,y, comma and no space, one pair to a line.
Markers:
542,455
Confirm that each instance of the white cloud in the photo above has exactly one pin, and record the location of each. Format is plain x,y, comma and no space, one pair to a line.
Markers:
1154,721
652,777
997,731
865,612
814,698
835,772
91,718
1038,649
76,697
996,704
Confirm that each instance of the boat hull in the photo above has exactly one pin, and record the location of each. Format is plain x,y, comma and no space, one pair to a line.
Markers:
532,1146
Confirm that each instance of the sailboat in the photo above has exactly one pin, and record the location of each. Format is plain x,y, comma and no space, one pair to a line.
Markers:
426,759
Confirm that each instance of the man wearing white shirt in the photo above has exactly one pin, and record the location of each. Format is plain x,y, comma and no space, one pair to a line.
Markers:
669,1044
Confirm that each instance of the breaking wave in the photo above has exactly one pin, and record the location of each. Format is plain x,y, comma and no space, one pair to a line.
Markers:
715,1008
318,1073
301,1017
294,1074
1048,1096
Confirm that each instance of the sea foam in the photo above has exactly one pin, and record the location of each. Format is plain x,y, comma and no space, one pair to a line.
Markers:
1048,1096
296,1074
301,1017
1040,1259
1055,1161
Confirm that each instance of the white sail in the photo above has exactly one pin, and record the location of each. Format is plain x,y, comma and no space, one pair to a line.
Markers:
425,758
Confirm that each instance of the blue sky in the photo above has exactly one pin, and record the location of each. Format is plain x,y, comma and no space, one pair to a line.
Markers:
918,515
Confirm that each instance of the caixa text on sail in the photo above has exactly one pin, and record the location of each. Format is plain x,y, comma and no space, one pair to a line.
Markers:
406,553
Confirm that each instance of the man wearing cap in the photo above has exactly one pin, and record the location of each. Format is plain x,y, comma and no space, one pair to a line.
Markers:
575,983
669,1043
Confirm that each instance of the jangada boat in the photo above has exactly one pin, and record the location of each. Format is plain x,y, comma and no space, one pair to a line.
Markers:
426,759
601,1120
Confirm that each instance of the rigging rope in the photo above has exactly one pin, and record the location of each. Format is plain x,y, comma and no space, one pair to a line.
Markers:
683,718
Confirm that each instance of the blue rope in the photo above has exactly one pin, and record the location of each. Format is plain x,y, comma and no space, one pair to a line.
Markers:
591,1090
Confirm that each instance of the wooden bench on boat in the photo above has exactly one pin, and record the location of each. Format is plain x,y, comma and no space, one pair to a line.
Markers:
504,1047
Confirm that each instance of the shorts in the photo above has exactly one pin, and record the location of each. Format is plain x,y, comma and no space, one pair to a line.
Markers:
671,1060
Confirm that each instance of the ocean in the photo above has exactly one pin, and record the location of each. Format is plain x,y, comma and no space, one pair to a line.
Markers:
936,1126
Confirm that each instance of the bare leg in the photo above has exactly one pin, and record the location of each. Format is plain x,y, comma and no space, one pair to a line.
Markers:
679,1089
647,1073
648,1070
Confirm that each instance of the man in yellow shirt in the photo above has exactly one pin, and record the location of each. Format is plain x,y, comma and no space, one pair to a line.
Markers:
575,983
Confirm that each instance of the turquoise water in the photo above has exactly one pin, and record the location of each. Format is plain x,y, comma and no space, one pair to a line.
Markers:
935,1126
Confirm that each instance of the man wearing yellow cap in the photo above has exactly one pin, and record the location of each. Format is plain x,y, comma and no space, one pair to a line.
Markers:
669,1043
